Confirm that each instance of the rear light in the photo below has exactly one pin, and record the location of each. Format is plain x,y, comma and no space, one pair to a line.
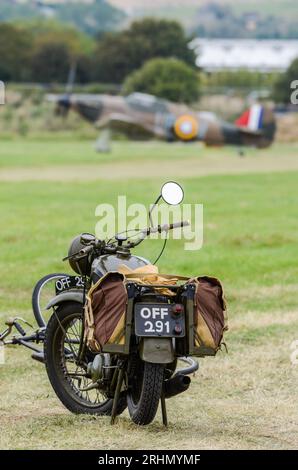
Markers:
177,309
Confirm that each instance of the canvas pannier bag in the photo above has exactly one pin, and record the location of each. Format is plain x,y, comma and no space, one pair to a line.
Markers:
210,318
105,312
107,305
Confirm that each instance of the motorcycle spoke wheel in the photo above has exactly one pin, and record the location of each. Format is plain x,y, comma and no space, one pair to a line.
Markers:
68,378
76,374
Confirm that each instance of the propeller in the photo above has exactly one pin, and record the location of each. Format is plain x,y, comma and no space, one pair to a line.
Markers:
63,102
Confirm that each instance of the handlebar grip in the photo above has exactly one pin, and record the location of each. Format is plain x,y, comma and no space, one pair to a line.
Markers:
86,250
183,223
20,329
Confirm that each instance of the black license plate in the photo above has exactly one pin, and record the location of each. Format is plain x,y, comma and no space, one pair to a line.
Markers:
68,282
161,320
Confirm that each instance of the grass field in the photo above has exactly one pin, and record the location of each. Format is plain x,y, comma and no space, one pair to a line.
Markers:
244,399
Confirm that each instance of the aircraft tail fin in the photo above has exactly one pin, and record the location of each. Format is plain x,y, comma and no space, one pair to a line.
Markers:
252,118
258,120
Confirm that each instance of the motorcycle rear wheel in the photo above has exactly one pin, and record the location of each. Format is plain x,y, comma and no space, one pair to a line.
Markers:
145,391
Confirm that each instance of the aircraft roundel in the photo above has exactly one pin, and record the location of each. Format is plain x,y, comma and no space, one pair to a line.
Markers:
186,127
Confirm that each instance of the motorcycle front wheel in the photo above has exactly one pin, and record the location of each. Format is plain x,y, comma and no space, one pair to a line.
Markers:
68,379
144,392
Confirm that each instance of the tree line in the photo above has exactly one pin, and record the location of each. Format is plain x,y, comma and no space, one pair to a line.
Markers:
150,56
45,52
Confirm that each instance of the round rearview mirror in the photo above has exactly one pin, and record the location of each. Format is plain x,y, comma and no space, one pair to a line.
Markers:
172,193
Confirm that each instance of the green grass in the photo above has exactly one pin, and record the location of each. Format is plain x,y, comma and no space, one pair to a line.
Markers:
250,228
42,153
245,399
63,150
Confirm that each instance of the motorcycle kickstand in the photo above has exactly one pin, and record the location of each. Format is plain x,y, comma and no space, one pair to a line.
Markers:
164,409
117,394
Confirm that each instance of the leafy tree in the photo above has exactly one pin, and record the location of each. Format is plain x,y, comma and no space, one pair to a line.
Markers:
42,28
15,46
51,62
118,54
171,79
164,38
282,89
56,50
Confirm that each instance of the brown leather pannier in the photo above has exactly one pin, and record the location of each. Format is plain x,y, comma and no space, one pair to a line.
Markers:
210,319
105,312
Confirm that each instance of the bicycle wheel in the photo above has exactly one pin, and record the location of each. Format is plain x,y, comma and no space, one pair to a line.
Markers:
42,293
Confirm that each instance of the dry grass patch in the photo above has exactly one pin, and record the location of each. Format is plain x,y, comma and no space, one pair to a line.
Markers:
245,399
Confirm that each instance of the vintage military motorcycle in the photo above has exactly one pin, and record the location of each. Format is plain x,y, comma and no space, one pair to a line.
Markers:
119,329
115,341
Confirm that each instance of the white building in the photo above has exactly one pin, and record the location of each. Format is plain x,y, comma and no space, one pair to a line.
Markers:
252,54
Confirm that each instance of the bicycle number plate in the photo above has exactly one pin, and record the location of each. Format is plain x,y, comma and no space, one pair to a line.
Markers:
159,320
68,282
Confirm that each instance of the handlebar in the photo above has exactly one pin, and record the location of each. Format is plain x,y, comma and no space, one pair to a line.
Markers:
167,227
112,248
158,229
20,328
85,251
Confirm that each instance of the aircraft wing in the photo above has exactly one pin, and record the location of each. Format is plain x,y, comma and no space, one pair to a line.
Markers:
115,117
125,122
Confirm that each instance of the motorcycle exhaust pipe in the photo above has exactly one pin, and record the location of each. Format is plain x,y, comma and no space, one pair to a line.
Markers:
193,366
178,384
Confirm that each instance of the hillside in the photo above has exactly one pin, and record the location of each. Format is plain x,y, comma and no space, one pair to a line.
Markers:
90,16
223,18
206,18
184,9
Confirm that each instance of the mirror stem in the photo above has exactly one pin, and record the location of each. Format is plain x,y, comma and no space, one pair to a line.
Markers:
152,208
